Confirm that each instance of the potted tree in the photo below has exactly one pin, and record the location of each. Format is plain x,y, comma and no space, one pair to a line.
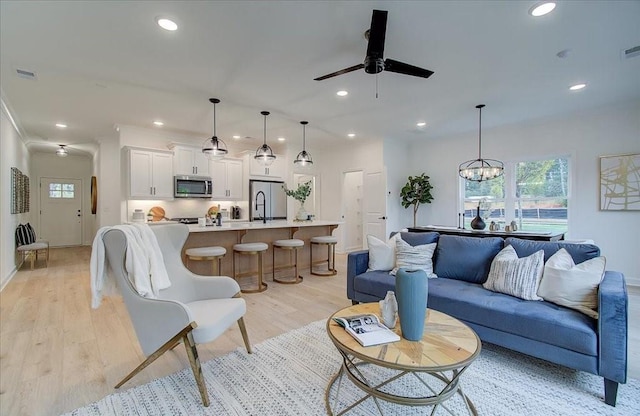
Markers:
416,191
301,194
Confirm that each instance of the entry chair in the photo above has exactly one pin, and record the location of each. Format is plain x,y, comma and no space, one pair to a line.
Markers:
29,246
193,310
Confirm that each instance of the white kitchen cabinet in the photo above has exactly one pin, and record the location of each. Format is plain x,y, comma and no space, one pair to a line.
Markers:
276,170
150,174
227,179
190,161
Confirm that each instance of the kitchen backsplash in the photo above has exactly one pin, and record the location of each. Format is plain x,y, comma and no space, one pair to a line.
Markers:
188,208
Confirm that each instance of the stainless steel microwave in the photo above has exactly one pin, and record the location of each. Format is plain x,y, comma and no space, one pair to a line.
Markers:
188,186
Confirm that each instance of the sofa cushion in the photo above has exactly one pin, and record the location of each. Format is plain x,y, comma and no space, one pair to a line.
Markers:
541,321
519,277
419,239
572,286
414,257
466,258
579,252
375,283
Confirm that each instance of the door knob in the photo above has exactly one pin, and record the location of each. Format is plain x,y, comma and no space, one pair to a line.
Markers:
382,218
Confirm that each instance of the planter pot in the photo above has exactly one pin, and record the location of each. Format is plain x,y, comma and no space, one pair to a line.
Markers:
411,293
302,215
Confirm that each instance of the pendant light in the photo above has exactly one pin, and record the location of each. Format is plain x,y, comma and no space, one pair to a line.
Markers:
303,158
62,152
480,169
214,148
264,154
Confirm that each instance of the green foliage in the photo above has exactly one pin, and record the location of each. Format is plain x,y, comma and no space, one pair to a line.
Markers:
416,191
301,193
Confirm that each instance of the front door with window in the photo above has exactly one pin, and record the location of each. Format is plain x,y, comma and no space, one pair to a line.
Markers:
61,211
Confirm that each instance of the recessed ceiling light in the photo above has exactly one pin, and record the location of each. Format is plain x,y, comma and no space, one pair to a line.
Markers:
577,87
61,125
421,124
540,9
342,93
167,24
236,137
351,135
158,123
281,139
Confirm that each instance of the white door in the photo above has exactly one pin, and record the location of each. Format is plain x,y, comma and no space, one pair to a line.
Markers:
353,207
375,204
61,211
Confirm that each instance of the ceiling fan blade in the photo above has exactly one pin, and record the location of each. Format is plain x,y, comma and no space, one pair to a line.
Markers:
342,71
377,32
406,69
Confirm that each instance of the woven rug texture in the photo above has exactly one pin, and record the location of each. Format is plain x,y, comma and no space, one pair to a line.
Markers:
288,375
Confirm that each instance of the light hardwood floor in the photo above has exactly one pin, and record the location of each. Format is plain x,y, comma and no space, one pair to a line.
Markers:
57,354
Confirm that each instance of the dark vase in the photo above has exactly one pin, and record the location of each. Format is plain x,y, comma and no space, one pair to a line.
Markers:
411,294
478,223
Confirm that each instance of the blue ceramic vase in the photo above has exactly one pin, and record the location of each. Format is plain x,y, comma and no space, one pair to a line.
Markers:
411,294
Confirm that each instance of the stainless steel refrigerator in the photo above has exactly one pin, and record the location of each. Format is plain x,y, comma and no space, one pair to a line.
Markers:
275,200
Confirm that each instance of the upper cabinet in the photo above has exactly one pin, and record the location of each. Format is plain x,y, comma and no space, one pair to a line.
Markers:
227,179
277,169
150,173
190,161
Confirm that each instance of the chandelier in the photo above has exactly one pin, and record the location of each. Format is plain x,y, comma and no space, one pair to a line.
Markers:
480,169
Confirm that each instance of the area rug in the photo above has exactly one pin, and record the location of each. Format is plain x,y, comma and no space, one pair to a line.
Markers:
288,375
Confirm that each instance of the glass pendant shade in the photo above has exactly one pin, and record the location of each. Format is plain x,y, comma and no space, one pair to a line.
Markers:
264,154
303,158
480,169
62,152
214,148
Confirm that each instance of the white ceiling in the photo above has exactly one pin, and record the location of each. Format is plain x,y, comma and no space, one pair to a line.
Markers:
106,63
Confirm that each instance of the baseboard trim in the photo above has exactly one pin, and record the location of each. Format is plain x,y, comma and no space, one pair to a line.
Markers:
8,279
633,281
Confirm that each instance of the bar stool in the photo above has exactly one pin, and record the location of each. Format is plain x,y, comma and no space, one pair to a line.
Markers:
330,241
250,249
291,244
207,254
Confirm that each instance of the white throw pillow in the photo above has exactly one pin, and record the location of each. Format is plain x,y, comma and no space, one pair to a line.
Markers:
515,276
574,286
382,256
414,257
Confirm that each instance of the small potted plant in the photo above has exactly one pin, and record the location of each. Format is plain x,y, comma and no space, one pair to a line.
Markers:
301,194
416,191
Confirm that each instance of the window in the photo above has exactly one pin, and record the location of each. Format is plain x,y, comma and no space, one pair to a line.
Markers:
534,193
61,190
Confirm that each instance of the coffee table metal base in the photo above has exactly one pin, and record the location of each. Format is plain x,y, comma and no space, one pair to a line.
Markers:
375,391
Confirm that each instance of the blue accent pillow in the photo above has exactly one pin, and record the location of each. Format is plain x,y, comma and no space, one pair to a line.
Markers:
579,252
419,239
466,258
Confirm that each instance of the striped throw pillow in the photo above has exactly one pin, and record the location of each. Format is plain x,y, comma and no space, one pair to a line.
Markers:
414,257
519,277
23,236
31,232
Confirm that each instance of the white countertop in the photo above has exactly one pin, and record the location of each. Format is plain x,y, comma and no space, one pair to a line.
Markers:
258,225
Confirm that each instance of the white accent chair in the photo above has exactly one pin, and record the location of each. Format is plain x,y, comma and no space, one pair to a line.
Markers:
194,309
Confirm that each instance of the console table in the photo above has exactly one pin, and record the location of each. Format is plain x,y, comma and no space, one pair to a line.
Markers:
526,235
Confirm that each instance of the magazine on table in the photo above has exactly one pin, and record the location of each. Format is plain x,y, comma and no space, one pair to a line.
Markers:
367,329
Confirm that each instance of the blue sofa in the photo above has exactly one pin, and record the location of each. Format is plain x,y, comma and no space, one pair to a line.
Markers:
538,328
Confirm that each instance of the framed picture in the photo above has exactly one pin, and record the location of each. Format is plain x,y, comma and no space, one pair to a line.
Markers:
620,182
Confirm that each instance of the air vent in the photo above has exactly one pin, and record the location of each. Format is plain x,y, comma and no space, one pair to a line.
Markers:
631,52
23,73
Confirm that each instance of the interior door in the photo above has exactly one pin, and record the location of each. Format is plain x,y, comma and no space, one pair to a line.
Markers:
375,204
61,211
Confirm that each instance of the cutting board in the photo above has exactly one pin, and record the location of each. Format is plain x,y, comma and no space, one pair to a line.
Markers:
157,213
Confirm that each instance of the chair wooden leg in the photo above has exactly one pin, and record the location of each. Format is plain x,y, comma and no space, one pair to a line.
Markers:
157,353
245,335
192,353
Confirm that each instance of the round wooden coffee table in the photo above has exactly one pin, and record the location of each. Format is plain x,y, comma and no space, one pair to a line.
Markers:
446,350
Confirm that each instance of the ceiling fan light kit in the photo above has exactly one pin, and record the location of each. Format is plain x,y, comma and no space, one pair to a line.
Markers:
264,154
214,148
304,158
62,152
480,169
374,62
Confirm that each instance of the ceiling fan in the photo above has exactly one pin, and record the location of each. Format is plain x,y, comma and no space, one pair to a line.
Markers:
374,62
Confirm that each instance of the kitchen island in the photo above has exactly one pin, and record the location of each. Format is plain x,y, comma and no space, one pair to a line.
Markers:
231,233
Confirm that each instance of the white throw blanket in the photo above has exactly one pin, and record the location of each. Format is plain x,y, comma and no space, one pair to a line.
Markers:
143,262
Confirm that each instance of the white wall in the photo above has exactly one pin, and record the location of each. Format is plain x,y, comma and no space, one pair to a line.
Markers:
585,136
50,165
398,173
13,154
108,177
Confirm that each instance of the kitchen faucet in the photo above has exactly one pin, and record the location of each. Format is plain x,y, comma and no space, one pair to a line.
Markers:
264,206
